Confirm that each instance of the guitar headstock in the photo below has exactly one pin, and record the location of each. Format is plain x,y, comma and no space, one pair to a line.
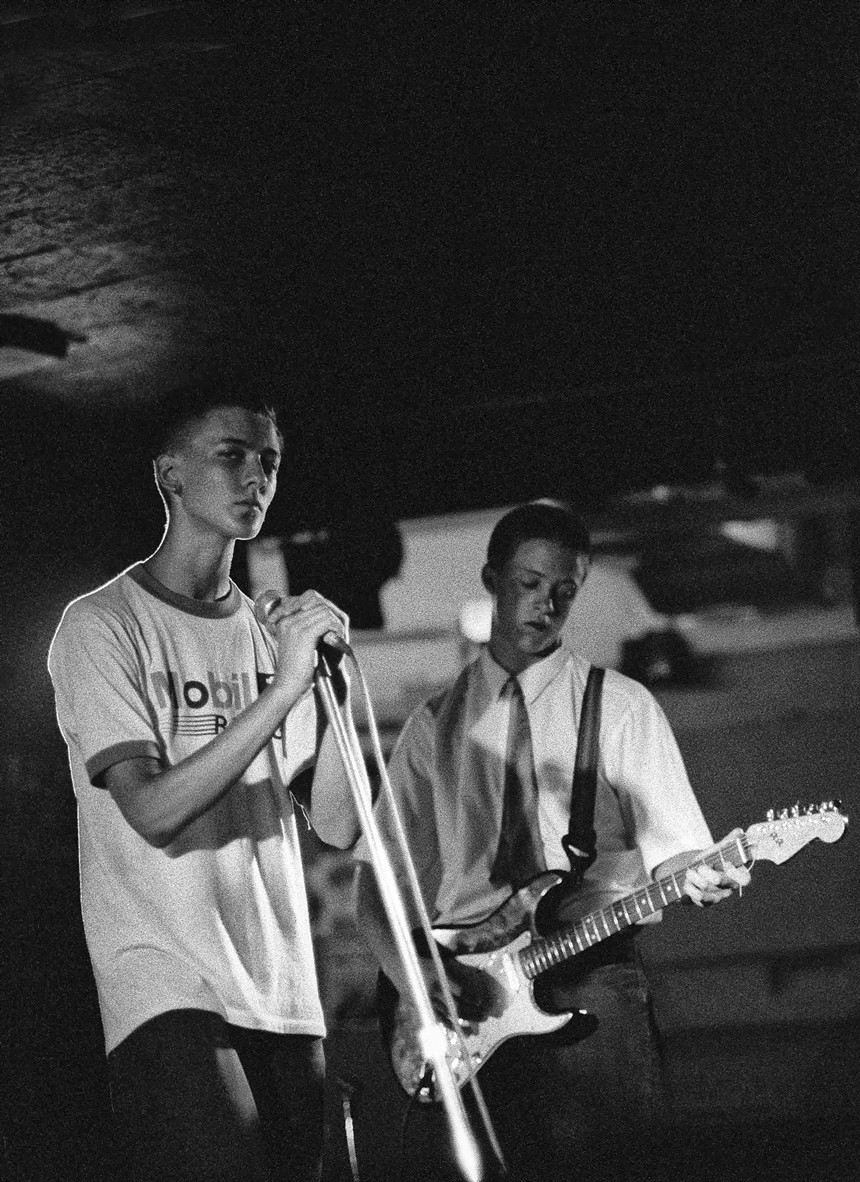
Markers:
784,833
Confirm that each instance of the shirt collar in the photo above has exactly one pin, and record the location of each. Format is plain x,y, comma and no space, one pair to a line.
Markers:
533,680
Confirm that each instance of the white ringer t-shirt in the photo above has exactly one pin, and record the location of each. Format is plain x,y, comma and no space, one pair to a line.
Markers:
218,920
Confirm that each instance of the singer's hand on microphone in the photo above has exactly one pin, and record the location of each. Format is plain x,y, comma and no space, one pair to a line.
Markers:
298,624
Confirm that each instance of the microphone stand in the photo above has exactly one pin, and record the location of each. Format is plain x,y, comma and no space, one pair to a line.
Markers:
431,1034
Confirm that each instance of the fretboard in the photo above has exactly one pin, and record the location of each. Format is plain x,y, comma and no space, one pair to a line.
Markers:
547,951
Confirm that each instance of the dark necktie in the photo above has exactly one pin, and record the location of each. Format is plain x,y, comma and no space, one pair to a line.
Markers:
520,856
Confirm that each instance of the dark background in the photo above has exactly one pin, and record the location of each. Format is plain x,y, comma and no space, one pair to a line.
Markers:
474,256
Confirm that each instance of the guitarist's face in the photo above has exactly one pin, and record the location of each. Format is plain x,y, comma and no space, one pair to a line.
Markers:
532,594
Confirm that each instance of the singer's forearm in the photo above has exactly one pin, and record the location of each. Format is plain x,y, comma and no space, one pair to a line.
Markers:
160,802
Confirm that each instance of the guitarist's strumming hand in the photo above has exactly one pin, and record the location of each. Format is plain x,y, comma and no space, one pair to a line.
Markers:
470,987
706,884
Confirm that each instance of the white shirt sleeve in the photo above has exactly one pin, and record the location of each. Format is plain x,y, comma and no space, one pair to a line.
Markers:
644,764
410,772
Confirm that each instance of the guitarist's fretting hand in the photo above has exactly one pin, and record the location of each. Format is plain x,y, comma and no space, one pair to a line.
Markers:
704,884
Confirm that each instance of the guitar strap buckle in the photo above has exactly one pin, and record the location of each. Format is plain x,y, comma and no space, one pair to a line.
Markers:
579,861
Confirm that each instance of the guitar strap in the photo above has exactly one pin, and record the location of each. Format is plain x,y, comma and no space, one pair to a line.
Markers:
580,840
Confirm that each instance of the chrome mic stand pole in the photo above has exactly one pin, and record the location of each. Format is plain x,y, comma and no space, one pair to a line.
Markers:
432,1034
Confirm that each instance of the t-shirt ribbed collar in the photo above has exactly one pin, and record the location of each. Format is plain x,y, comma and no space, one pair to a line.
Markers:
217,609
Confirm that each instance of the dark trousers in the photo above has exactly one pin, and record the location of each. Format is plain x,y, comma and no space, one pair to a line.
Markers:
195,1098
590,1111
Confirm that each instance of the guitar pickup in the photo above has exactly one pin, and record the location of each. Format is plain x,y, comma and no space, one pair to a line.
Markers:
510,971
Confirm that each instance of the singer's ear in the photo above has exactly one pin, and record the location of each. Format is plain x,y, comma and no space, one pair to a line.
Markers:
167,475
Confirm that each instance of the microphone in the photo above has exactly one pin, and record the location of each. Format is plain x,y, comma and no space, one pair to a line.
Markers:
332,648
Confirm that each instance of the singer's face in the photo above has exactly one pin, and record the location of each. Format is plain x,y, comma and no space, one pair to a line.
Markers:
532,593
226,469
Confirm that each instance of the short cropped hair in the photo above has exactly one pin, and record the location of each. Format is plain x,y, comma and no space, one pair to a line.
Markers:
179,408
553,521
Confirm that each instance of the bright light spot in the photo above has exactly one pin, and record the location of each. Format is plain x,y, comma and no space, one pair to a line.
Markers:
475,619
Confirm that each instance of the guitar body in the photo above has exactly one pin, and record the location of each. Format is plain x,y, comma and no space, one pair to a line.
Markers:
488,954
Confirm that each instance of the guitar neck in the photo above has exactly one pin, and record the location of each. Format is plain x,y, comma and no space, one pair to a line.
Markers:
548,951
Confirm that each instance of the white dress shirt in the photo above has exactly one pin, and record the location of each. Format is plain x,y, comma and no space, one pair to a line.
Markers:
447,774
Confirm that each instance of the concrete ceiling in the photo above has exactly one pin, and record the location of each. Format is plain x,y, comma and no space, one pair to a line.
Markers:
106,132
473,258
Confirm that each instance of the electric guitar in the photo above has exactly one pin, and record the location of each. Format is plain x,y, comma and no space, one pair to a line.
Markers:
504,953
